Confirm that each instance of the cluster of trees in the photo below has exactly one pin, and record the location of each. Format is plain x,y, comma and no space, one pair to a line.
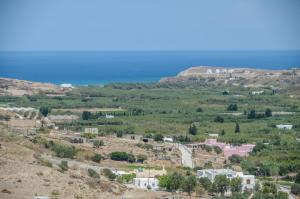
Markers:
232,107
222,184
123,156
44,110
295,189
254,115
268,191
176,181
208,148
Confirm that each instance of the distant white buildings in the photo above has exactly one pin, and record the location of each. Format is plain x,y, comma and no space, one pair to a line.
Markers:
66,86
146,183
248,181
91,130
257,92
284,126
109,116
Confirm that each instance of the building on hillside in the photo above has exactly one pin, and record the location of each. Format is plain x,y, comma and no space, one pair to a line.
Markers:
133,136
109,116
149,173
215,135
228,150
91,130
146,183
248,181
62,118
168,139
284,126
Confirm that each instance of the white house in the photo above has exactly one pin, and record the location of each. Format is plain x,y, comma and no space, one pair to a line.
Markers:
91,130
284,126
248,181
146,183
109,116
168,139
66,86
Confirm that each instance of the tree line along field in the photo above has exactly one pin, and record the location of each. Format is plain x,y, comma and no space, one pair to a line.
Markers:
170,109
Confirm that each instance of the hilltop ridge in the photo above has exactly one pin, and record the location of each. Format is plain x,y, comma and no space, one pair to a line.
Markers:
237,76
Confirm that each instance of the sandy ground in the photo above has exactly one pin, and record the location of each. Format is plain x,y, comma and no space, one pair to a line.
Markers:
21,178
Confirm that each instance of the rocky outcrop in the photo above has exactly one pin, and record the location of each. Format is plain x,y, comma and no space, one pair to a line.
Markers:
15,87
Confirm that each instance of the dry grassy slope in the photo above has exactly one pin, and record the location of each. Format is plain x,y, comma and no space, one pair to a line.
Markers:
21,177
17,87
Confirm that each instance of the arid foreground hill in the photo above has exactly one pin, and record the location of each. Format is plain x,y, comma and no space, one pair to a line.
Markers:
237,76
15,87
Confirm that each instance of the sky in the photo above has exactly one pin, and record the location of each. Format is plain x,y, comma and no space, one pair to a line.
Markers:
133,25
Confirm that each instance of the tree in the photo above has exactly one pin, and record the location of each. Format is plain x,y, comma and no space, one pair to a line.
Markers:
217,149
237,128
268,112
189,184
158,137
222,184
206,183
219,119
64,151
295,189
45,110
119,156
236,185
232,107
269,187
199,109
193,129
235,159
86,115
164,181
97,158
252,114
297,179
98,143
176,180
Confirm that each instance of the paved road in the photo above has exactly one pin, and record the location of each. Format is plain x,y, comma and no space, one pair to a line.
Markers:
186,156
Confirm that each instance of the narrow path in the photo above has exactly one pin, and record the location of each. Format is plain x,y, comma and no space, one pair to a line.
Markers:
186,156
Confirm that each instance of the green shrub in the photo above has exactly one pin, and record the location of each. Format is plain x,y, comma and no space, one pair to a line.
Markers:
119,156
63,165
92,173
109,174
64,151
97,158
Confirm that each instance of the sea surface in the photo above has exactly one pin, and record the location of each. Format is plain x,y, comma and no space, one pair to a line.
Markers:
82,68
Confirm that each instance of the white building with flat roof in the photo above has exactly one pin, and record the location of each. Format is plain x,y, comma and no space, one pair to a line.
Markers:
145,183
284,126
91,130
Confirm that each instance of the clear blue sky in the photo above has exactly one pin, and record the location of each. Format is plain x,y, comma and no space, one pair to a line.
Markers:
50,25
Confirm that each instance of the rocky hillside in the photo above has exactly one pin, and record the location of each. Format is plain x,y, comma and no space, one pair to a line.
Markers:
15,87
237,76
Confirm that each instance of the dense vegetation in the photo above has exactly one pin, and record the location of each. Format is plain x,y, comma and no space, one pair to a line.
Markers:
189,112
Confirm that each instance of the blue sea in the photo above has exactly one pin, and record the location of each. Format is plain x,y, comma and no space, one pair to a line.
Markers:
82,68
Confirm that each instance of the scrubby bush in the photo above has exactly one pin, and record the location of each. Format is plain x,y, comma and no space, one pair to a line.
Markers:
63,165
98,143
119,156
64,151
97,158
109,174
158,137
235,159
92,173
